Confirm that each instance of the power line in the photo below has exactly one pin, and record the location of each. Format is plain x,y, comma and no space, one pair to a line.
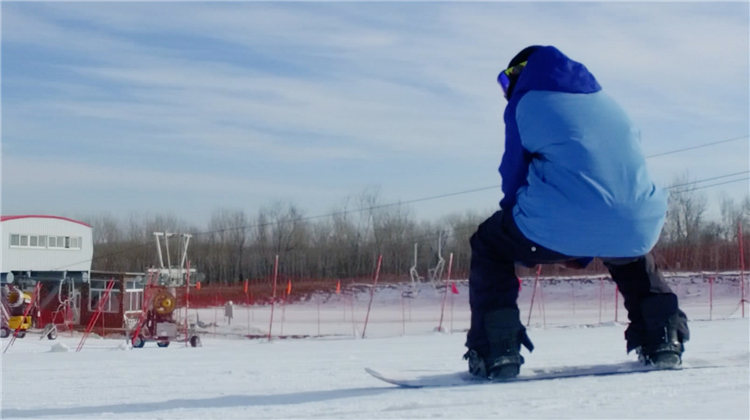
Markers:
697,147
435,197
707,179
400,203
359,210
713,185
460,229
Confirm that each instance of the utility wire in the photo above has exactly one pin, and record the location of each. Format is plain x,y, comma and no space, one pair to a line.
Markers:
358,210
393,204
708,179
435,197
698,146
712,185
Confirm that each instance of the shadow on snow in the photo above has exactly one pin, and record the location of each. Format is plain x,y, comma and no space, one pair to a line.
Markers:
216,402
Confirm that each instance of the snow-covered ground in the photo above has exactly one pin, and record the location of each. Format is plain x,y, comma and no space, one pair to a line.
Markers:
324,377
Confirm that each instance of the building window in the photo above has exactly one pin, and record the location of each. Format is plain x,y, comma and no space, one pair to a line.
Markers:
133,300
97,291
133,296
43,241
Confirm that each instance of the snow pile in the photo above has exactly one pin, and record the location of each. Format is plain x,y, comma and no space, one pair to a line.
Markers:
59,348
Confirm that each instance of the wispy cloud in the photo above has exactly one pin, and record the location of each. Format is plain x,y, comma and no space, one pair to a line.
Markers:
342,95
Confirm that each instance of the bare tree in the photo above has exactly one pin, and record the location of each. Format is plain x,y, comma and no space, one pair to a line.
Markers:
685,211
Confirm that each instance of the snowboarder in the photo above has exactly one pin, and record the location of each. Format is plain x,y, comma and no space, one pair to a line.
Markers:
576,187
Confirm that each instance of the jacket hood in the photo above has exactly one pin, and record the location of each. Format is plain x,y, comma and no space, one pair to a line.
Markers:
551,70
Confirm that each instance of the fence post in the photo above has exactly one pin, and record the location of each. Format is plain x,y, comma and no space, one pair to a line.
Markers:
187,304
372,294
285,294
710,298
541,296
447,290
742,268
453,285
601,298
354,323
104,298
533,293
617,296
273,297
247,304
573,294
403,314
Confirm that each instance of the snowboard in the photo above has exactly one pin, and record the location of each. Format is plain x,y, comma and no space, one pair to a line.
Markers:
422,380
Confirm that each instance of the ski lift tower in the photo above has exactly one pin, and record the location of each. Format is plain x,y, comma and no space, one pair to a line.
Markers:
436,274
416,280
172,276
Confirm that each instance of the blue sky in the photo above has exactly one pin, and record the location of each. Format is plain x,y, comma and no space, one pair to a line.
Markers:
183,107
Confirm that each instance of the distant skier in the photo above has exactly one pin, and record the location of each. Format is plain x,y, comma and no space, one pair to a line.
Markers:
575,187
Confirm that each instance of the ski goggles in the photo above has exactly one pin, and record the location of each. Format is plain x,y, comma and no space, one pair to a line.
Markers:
504,77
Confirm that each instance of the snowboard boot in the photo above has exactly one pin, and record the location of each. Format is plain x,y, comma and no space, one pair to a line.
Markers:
663,332
505,334
476,364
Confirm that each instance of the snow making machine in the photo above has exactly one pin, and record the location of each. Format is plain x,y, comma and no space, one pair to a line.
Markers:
158,320
18,314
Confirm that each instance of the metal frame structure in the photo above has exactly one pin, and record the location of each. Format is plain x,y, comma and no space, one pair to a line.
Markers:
168,275
157,322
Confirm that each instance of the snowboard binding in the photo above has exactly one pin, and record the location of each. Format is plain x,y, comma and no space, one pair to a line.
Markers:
502,358
658,340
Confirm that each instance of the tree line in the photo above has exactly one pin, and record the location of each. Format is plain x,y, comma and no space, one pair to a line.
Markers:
235,246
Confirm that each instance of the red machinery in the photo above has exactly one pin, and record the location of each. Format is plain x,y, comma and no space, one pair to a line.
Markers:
157,322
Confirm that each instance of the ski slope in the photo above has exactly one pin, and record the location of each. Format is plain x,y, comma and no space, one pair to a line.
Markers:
559,302
325,378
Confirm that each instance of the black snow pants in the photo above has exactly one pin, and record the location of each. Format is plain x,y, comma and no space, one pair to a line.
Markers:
498,245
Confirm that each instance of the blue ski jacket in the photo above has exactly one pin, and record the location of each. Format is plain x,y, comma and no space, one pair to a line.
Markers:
573,172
